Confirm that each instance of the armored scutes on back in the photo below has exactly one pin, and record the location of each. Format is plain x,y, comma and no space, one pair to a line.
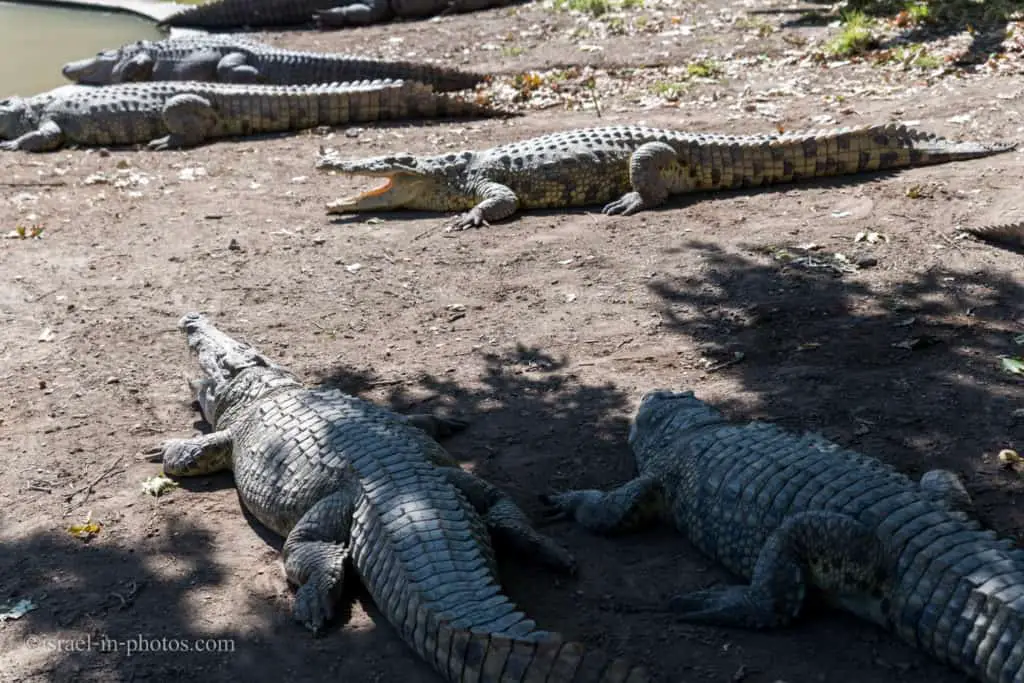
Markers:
232,60
791,512
630,168
170,114
226,14
352,485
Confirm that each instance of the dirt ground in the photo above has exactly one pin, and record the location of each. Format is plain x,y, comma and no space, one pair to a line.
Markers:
544,331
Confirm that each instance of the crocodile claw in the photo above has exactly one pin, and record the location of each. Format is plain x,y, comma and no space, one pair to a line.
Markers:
627,204
313,608
9,146
474,218
552,511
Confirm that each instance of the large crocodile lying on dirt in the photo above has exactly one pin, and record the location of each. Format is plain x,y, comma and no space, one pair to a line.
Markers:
636,167
349,483
794,513
173,114
227,14
232,60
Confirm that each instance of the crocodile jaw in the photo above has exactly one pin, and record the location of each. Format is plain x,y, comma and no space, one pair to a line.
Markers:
15,118
98,70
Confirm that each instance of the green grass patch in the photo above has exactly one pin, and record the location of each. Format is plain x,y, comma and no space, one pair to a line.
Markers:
856,36
703,68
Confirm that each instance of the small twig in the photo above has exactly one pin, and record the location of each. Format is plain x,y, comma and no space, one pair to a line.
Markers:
15,183
87,488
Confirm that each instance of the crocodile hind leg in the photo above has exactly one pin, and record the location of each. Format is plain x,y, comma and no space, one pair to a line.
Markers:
203,454
235,68
189,119
507,523
646,168
314,557
947,486
355,14
830,551
632,506
46,138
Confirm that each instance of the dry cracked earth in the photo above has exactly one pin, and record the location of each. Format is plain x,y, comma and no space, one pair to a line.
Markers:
855,309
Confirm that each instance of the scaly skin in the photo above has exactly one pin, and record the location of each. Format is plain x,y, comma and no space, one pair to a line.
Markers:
791,512
351,484
327,14
629,168
227,59
1009,234
171,114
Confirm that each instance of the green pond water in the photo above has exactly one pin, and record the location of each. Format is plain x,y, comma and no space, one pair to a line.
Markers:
36,41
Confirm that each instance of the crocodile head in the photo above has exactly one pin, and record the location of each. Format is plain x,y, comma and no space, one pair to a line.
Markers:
16,118
236,374
420,183
128,63
664,416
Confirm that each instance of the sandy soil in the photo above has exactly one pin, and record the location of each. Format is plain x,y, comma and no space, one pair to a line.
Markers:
544,331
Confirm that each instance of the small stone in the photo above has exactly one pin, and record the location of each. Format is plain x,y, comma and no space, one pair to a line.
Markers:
867,262
113,380
233,245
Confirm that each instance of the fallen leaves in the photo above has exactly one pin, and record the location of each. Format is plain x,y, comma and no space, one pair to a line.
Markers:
17,610
158,485
85,530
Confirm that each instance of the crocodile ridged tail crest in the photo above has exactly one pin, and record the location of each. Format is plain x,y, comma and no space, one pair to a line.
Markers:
463,655
1011,234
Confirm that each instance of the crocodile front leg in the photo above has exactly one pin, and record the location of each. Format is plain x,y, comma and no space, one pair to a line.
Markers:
506,521
189,119
499,201
315,553
646,167
355,14
204,454
831,551
632,506
46,138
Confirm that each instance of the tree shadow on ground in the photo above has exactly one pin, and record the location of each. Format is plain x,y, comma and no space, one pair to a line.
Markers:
911,374
527,407
924,21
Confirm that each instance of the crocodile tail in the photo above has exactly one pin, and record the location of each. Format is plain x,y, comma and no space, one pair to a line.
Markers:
466,655
424,102
765,160
223,14
1006,233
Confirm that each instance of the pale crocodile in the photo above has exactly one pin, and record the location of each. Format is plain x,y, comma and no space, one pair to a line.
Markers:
349,483
227,14
793,513
233,60
175,114
630,167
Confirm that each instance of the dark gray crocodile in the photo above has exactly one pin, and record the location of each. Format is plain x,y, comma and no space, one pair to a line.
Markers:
793,513
175,114
1009,234
231,60
351,484
327,14
630,167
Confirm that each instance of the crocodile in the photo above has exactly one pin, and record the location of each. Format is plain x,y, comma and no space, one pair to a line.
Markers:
1009,234
178,114
231,60
350,484
326,14
629,168
803,519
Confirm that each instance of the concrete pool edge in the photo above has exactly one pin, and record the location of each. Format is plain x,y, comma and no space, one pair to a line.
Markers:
152,10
